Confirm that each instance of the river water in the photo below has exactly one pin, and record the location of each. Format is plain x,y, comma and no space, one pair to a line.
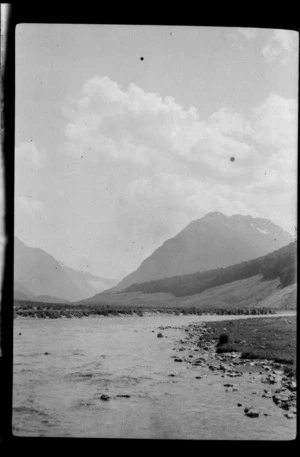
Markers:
63,366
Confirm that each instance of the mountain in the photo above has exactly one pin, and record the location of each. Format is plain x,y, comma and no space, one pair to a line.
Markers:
87,282
278,264
20,290
214,241
267,281
37,273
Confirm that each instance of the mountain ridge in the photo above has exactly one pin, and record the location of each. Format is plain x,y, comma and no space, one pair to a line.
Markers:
213,241
38,272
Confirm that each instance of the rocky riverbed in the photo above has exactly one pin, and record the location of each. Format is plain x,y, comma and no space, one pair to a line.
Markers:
256,381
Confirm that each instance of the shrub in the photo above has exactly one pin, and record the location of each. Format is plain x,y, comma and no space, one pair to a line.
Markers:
223,339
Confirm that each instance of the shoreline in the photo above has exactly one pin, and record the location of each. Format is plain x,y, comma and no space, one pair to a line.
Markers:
57,310
273,377
120,313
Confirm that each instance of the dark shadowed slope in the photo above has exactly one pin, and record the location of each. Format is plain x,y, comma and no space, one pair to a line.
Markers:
214,241
268,281
278,264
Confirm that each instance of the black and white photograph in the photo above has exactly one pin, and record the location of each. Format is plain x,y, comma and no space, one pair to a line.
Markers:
155,232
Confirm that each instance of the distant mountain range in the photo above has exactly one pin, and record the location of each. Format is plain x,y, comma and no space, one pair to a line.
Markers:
38,276
214,241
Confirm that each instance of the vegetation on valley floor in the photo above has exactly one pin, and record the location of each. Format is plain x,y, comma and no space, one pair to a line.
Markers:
56,310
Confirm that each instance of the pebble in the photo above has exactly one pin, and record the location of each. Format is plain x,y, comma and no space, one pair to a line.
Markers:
267,395
104,397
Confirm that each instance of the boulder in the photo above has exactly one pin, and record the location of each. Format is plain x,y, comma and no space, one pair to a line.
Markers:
160,335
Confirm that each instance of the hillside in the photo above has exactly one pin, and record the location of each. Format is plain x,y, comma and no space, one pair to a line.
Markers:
246,293
280,263
214,241
37,273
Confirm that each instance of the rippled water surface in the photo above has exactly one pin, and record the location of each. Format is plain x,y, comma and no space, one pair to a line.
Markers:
63,366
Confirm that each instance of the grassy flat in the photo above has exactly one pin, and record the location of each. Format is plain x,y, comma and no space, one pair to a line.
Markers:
263,338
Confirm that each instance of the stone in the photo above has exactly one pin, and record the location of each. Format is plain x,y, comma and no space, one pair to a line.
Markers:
267,395
159,335
292,386
239,404
290,415
278,372
252,413
104,397
278,398
124,396
228,385
171,375
177,360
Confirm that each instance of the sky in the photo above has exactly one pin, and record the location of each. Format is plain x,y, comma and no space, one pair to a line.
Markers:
125,134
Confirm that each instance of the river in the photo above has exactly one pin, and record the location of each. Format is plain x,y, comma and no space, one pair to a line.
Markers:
62,367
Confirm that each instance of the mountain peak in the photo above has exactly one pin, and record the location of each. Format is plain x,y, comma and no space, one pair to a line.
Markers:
214,241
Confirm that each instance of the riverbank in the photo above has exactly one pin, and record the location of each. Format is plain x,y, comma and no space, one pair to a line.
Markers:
264,349
57,310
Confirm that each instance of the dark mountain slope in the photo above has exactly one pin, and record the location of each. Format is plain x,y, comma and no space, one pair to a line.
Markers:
280,263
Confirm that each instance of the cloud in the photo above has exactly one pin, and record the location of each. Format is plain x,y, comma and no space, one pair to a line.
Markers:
275,122
132,125
176,166
282,44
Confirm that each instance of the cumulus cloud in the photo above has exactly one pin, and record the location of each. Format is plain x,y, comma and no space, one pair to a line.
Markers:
282,44
180,165
107,121
275,122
